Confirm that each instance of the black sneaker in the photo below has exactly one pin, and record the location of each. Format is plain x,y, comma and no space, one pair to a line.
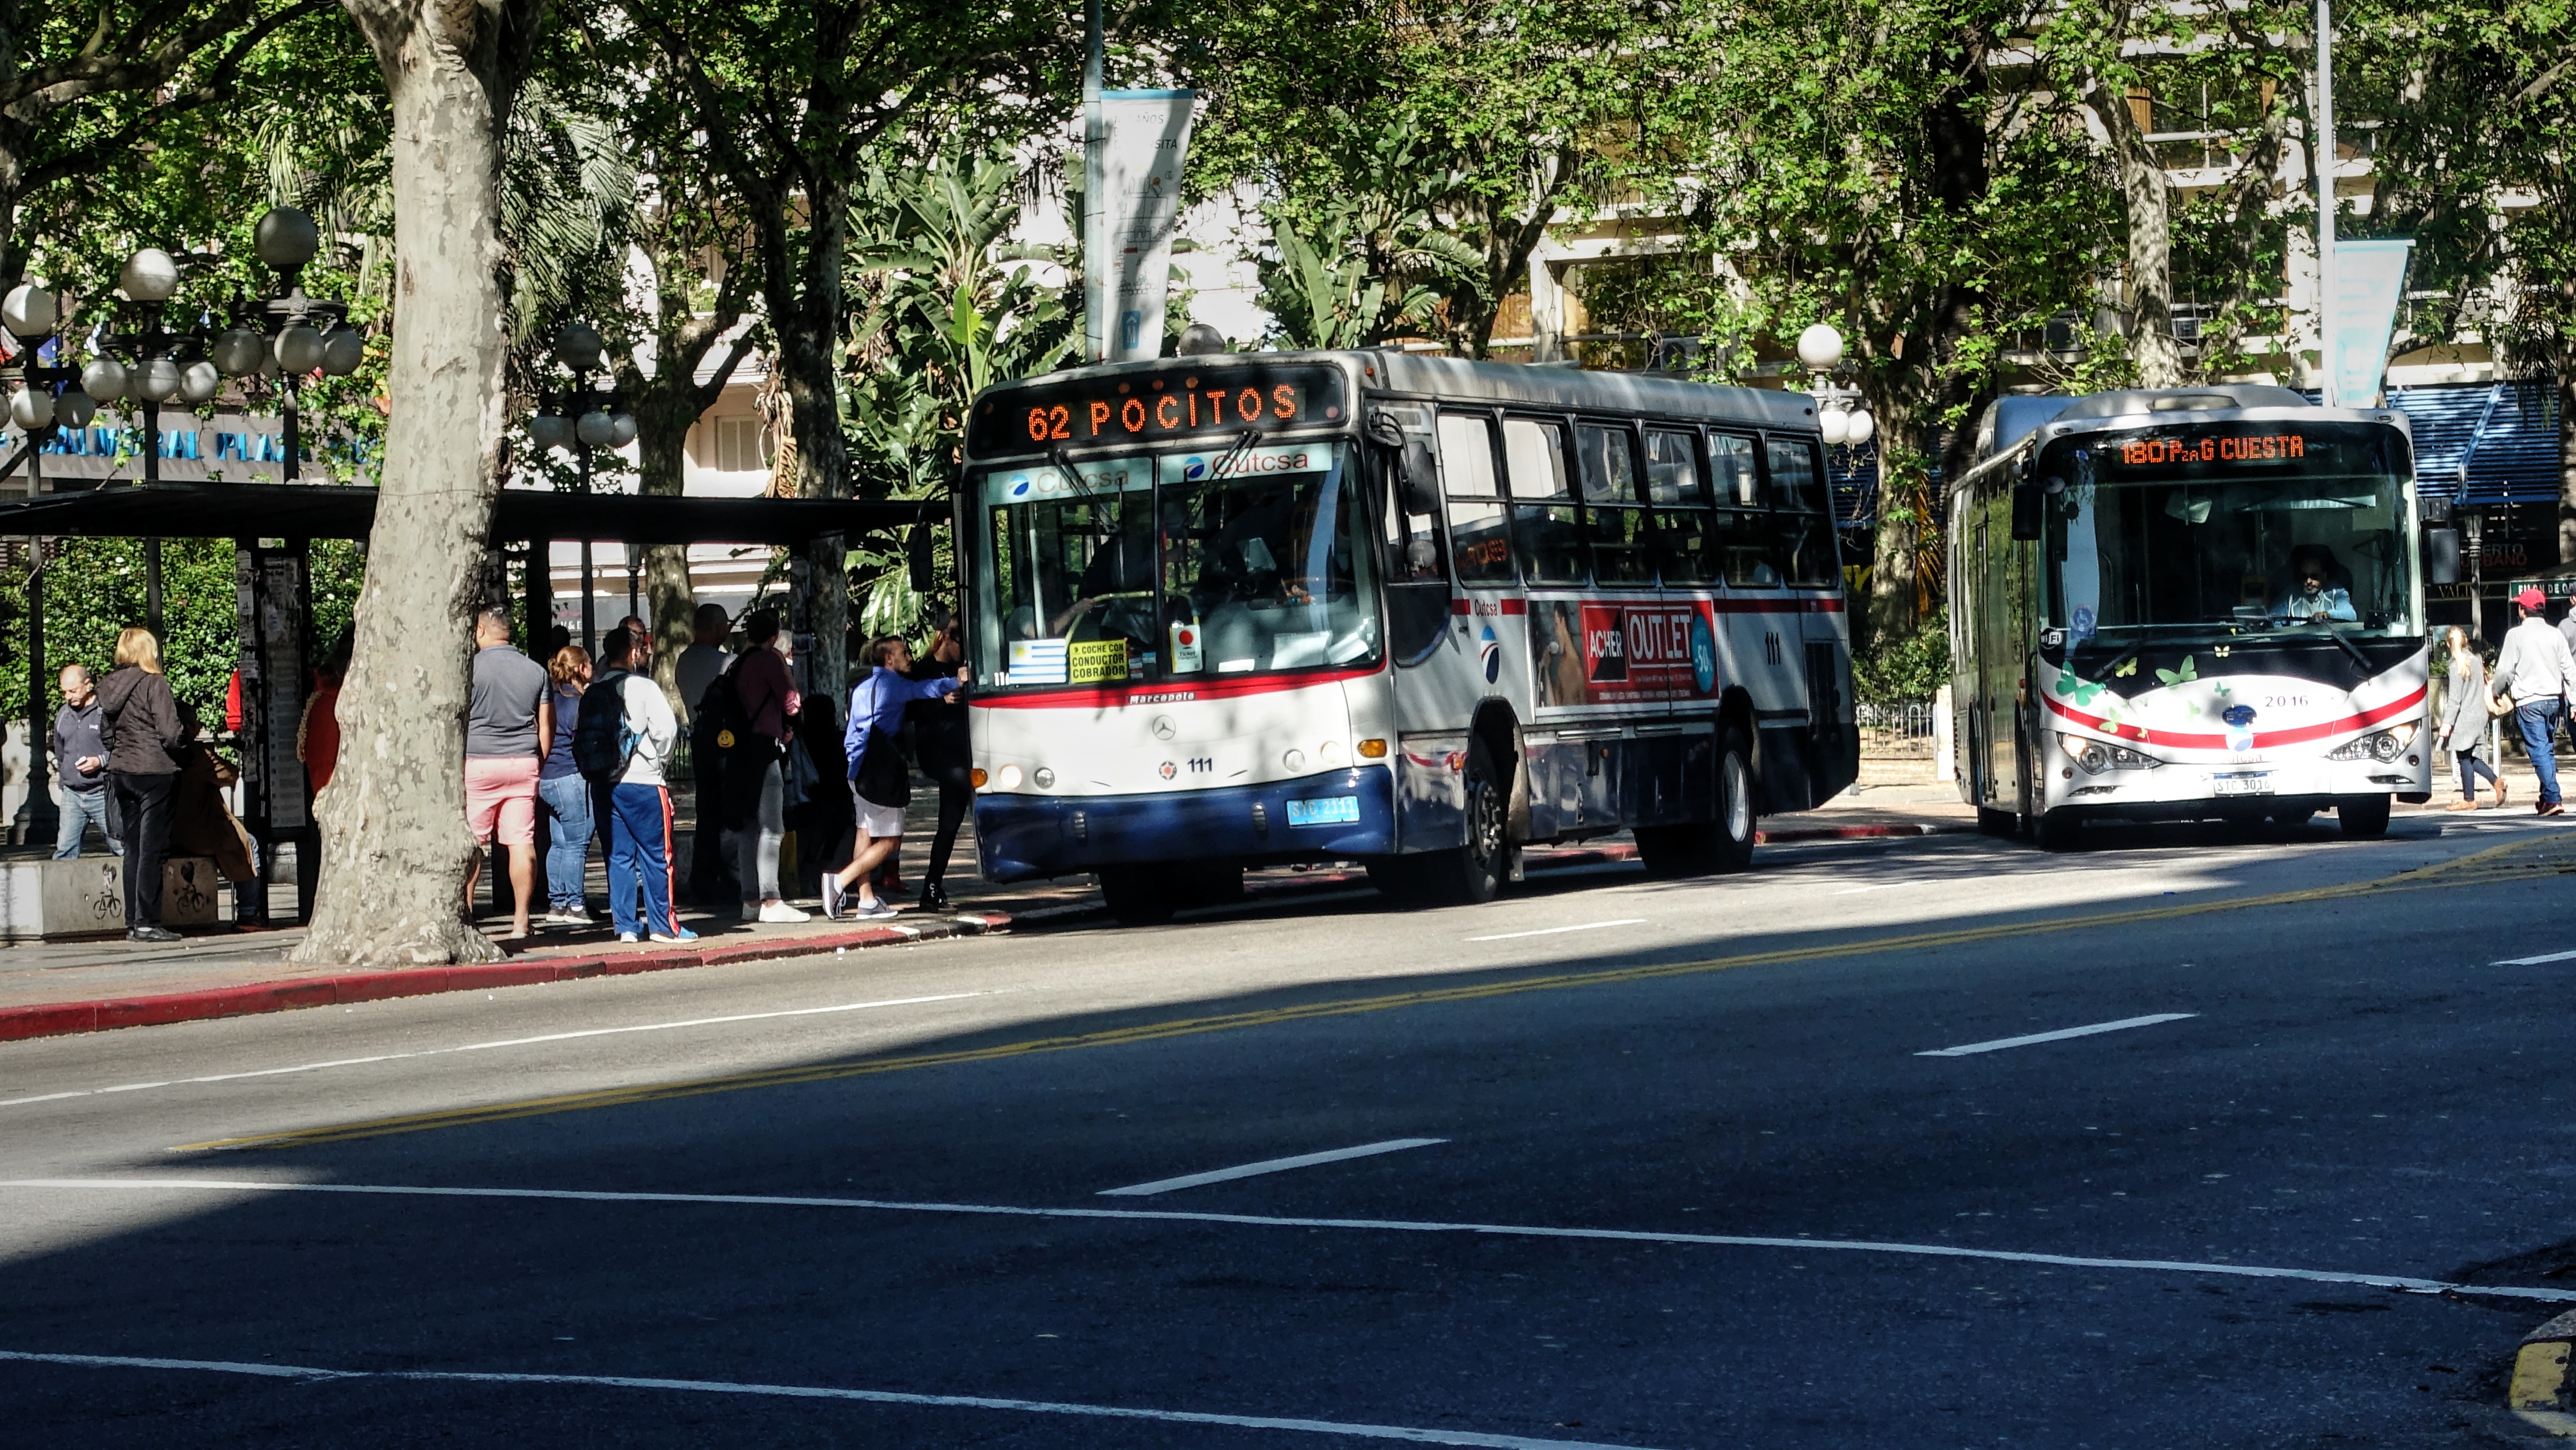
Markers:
934,899
151,934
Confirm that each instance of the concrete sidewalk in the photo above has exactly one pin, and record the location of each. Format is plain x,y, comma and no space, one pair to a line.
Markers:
51,988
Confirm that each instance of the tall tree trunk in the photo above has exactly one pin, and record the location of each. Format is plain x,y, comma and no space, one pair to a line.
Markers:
1896,538
393,817
663,417
2150,213
808,337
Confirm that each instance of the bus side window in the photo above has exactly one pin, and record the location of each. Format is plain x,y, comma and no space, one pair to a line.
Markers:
1543,519
1622,538
1739,482
1744,541
1480,548
1802,519
1674,488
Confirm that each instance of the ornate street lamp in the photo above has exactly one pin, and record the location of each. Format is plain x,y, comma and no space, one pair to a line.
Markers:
581,418
1842,414
288,335
42,397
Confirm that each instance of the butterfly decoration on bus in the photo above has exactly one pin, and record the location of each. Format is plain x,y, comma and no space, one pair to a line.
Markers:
2072,687
2183,676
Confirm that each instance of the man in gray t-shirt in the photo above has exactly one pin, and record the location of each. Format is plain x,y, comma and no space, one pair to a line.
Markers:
509,723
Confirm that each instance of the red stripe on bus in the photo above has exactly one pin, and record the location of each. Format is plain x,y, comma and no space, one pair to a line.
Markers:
2262,739
1167,693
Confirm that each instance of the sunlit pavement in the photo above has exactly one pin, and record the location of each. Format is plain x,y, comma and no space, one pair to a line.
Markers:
1880,1143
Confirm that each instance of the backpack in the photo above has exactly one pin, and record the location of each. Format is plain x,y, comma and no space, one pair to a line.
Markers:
719,722
600,740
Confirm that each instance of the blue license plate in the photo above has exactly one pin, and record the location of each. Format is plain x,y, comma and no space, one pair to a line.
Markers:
1330,811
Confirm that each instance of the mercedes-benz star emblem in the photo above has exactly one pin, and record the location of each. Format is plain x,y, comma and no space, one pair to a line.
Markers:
1163,727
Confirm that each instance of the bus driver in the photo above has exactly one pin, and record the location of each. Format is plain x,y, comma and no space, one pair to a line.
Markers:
2314,597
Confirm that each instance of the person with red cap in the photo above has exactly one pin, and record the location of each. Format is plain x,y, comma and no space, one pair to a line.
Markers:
2535,670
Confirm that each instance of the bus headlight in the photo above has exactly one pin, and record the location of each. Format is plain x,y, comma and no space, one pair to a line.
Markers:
1044,779
2383,747
2097,756
1009,778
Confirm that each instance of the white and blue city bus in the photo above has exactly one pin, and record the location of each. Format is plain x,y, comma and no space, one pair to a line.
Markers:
2184,604
1413,612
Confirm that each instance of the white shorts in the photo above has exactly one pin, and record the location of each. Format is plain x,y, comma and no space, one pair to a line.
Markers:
876,822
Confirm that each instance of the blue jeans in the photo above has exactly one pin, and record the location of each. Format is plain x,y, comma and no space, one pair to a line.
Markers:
639,856
569,826
2538,722
80,807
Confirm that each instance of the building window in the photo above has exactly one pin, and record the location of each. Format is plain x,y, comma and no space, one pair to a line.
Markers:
742,445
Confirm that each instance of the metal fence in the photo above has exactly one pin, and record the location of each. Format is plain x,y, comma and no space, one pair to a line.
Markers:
1899,729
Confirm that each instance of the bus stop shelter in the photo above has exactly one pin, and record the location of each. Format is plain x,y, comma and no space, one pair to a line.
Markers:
272,527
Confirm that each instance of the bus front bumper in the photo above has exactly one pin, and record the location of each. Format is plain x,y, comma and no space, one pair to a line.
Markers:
1335,815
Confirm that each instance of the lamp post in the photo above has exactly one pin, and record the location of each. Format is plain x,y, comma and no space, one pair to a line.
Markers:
288,335
46,395
1842,414
583,417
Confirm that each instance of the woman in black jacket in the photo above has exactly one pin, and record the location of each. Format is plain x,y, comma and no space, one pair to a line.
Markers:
939,740
143,727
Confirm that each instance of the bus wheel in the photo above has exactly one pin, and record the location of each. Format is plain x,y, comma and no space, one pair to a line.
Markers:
1472,873
1137,896
2363,819
1994,822
1730,839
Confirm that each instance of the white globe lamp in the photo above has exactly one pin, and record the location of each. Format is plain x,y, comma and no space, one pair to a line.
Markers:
238,351
75,408
149,276
286,238
343,348
104,379
199,381
1860,428
156,381
621,429
29,310
1820,347
1835,424
595,429
549,430
31,408
299,349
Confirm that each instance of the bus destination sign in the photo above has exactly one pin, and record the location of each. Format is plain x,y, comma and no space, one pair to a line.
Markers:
1142,407
2221,448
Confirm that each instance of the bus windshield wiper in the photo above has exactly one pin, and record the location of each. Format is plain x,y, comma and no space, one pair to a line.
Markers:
1226,459
2349,648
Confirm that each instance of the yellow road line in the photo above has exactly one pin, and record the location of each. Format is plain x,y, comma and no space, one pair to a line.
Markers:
2445,874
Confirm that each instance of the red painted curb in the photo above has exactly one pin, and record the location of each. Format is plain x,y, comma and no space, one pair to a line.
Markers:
58,1019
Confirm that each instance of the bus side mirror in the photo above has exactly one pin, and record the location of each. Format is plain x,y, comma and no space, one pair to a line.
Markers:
2441,556
1419,476
2029,501
920,560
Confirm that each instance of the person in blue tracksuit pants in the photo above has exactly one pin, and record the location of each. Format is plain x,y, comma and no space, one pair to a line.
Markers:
639,804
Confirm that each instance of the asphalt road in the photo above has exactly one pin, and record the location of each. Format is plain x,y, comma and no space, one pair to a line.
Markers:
1657,1165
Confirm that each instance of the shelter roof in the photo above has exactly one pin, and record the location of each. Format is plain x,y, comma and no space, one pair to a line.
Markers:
323,511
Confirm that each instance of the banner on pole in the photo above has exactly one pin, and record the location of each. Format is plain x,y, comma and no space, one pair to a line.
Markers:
2370,277
1131,203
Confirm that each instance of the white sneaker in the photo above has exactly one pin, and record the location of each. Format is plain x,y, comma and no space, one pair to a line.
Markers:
873,911
628,936
780,911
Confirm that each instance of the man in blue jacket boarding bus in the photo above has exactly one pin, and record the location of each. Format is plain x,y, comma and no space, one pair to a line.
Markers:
880,785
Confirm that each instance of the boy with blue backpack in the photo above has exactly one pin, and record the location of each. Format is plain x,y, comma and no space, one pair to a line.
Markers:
625,732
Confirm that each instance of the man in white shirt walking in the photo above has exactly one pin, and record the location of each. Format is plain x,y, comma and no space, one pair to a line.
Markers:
639,803
2535,670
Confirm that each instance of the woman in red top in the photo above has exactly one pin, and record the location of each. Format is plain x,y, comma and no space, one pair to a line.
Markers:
317,735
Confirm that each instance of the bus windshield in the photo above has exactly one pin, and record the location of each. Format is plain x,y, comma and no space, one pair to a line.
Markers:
1166,566
2253,528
